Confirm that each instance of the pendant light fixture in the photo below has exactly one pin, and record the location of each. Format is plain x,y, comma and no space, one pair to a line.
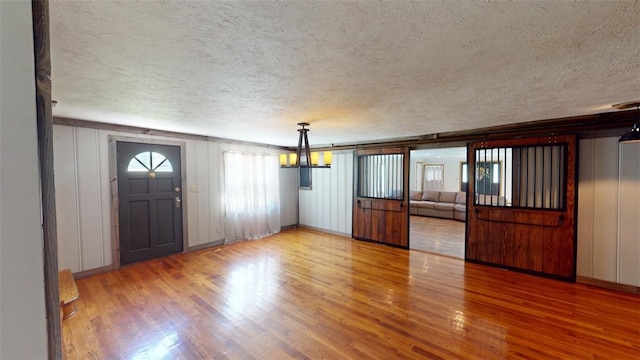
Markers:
311,159
633,135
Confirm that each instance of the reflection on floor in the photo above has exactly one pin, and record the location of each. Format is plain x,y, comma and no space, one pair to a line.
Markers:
302,294
439,236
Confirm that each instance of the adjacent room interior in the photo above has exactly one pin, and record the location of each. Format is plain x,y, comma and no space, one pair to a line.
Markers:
438,170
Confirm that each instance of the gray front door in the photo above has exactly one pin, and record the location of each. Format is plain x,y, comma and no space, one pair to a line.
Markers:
149,201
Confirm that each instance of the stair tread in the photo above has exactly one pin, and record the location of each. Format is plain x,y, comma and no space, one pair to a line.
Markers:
68,289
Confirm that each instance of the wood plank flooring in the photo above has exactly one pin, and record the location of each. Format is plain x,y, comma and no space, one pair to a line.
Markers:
438,236
308,295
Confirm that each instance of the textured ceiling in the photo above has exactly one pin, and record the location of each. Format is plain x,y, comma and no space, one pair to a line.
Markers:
357,71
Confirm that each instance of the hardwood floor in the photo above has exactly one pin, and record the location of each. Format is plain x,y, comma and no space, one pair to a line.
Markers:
304,294
438,236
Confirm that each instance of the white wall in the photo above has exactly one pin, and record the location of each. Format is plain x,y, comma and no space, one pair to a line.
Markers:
288,197
83,192
23,333
629,217
328,205
608,211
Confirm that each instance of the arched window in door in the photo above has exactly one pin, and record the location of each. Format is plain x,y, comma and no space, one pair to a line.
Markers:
149,161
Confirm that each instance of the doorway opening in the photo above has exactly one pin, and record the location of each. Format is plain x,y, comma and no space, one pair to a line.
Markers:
437,202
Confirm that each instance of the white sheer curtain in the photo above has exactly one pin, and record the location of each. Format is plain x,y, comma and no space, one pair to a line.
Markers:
252,196
433,177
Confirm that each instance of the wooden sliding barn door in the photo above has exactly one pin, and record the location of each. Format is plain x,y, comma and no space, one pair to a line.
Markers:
521,205
381,199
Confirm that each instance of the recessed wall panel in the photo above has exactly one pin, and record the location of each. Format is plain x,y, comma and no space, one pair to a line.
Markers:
166,221
629,219
138,186
139,223
164,185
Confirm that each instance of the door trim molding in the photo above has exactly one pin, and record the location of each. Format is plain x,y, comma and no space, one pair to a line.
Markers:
44,129
113,184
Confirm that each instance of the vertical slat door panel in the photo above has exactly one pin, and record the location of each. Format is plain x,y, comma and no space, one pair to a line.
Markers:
380,196
527,223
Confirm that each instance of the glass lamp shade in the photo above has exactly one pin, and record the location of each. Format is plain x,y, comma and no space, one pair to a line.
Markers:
327,157
293,159
631,136
315,158
283,159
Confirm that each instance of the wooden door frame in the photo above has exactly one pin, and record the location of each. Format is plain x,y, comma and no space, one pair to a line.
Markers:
44,124
113,176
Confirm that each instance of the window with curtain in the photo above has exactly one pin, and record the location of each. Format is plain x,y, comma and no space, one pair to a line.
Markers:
464,176
252,196
433,177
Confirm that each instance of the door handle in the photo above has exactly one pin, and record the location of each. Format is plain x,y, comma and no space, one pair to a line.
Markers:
178,201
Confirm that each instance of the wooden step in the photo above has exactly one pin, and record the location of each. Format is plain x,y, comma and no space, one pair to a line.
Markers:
68,293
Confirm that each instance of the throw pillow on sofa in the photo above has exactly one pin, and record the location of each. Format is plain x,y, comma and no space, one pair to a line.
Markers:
430,195
415,195
447,197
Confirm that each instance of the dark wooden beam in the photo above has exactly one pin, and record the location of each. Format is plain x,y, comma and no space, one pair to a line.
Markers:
587,126
40,16
147,131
